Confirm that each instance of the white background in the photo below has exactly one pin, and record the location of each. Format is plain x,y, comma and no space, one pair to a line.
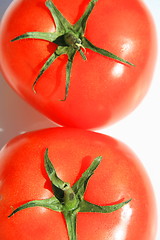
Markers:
140,130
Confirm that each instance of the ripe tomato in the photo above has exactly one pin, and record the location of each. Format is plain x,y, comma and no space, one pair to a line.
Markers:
120,175
102,90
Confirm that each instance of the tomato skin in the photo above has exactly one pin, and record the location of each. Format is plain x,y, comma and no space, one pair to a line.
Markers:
120,175
102,91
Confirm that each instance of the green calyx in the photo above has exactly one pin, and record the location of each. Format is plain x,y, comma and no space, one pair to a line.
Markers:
70,39
70,200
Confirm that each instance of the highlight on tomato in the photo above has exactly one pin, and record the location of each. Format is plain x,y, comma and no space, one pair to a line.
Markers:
84,64
65,183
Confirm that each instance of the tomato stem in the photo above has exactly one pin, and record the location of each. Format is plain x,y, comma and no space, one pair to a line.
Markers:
70,200
71,219
69,39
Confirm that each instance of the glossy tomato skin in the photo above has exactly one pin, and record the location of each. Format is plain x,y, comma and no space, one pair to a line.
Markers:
102,91
120,175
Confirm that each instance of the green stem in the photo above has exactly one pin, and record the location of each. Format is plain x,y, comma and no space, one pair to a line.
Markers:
69,40
70,200
71,220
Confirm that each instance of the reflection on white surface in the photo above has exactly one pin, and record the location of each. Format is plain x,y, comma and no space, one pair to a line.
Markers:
16,116
22,132
121,230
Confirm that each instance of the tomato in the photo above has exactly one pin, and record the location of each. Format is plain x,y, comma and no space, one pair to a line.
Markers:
102,90
119,177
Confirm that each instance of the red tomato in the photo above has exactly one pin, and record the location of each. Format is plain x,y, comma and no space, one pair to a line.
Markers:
102,90
120,175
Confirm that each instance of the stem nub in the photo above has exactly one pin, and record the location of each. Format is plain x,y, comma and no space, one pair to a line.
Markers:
72,40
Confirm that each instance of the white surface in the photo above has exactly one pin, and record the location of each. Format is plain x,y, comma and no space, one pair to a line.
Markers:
140,130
